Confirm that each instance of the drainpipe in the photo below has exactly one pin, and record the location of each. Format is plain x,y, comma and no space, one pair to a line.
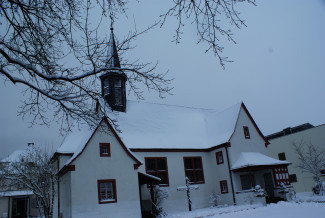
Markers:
9,198
58,178
230,174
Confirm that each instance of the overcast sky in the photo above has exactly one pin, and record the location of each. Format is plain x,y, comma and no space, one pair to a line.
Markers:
278,69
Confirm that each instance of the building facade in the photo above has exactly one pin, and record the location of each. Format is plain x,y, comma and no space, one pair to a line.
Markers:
282,148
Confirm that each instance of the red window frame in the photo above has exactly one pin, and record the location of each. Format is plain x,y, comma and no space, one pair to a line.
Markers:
246,132
157,171
113,181
101,145
281,174
219,160
223,183
194,170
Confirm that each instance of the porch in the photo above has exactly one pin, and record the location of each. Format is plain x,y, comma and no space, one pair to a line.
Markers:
260,179
147,180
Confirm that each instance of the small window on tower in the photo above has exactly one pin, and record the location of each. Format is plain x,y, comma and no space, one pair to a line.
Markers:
246,132
106,87
117,83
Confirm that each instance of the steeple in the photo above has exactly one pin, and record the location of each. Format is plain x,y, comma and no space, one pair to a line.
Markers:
113,60
113,80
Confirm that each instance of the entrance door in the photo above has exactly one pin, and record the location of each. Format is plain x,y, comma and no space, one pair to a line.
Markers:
269,188
19,207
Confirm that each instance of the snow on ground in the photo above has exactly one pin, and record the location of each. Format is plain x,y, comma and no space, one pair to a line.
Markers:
306,205
309,196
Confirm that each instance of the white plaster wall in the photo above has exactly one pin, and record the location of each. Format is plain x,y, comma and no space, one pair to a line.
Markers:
222,173
315,136
4,201
65,195
239,144
90,168
177,201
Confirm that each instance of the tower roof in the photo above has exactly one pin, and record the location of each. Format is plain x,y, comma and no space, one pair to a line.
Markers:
112,55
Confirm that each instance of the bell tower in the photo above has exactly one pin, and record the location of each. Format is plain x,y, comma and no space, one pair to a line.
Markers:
113,80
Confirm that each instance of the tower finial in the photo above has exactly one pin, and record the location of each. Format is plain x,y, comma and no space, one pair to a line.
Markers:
112,55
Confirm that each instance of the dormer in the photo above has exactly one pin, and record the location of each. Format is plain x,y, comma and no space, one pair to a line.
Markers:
113,80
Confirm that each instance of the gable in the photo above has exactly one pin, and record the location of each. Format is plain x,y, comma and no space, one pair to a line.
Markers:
245,119
103,128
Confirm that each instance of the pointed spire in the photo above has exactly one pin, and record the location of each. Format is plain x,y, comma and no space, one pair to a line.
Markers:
112,55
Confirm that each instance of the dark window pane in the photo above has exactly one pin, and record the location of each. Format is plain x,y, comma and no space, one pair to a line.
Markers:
246,182
293,178
220,157
188,164
151,166
117,83
190,176
161,164
199,176
282,156
118,96
197,163
163,177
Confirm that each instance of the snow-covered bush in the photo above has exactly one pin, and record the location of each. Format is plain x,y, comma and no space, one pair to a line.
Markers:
283,188
319,188
259,192
160,194
215,198
291,195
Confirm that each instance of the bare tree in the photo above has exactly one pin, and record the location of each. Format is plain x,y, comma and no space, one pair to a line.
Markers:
212,19
311,159
56,50
34,172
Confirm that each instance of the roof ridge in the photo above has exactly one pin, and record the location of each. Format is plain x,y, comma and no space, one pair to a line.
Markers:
189,107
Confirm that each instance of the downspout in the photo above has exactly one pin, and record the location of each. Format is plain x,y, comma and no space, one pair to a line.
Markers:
9,215
58,178
232,185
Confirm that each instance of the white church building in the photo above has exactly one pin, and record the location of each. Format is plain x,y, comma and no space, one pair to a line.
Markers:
109,172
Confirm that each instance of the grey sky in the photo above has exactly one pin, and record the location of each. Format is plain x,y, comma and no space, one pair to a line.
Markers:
278,69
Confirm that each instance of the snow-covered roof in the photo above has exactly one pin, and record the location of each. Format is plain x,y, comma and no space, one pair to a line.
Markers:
159,126
149,125
150,176
250,159
14,156
75,139
15,193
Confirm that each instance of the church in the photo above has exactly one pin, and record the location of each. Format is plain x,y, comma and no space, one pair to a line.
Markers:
110,172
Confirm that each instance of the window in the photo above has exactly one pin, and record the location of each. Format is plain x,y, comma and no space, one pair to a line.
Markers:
157,166
282,156
246,182
118,92
194,169
223,186
219,157
246,132
105,149
293,178
106,87
106,191
281,175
